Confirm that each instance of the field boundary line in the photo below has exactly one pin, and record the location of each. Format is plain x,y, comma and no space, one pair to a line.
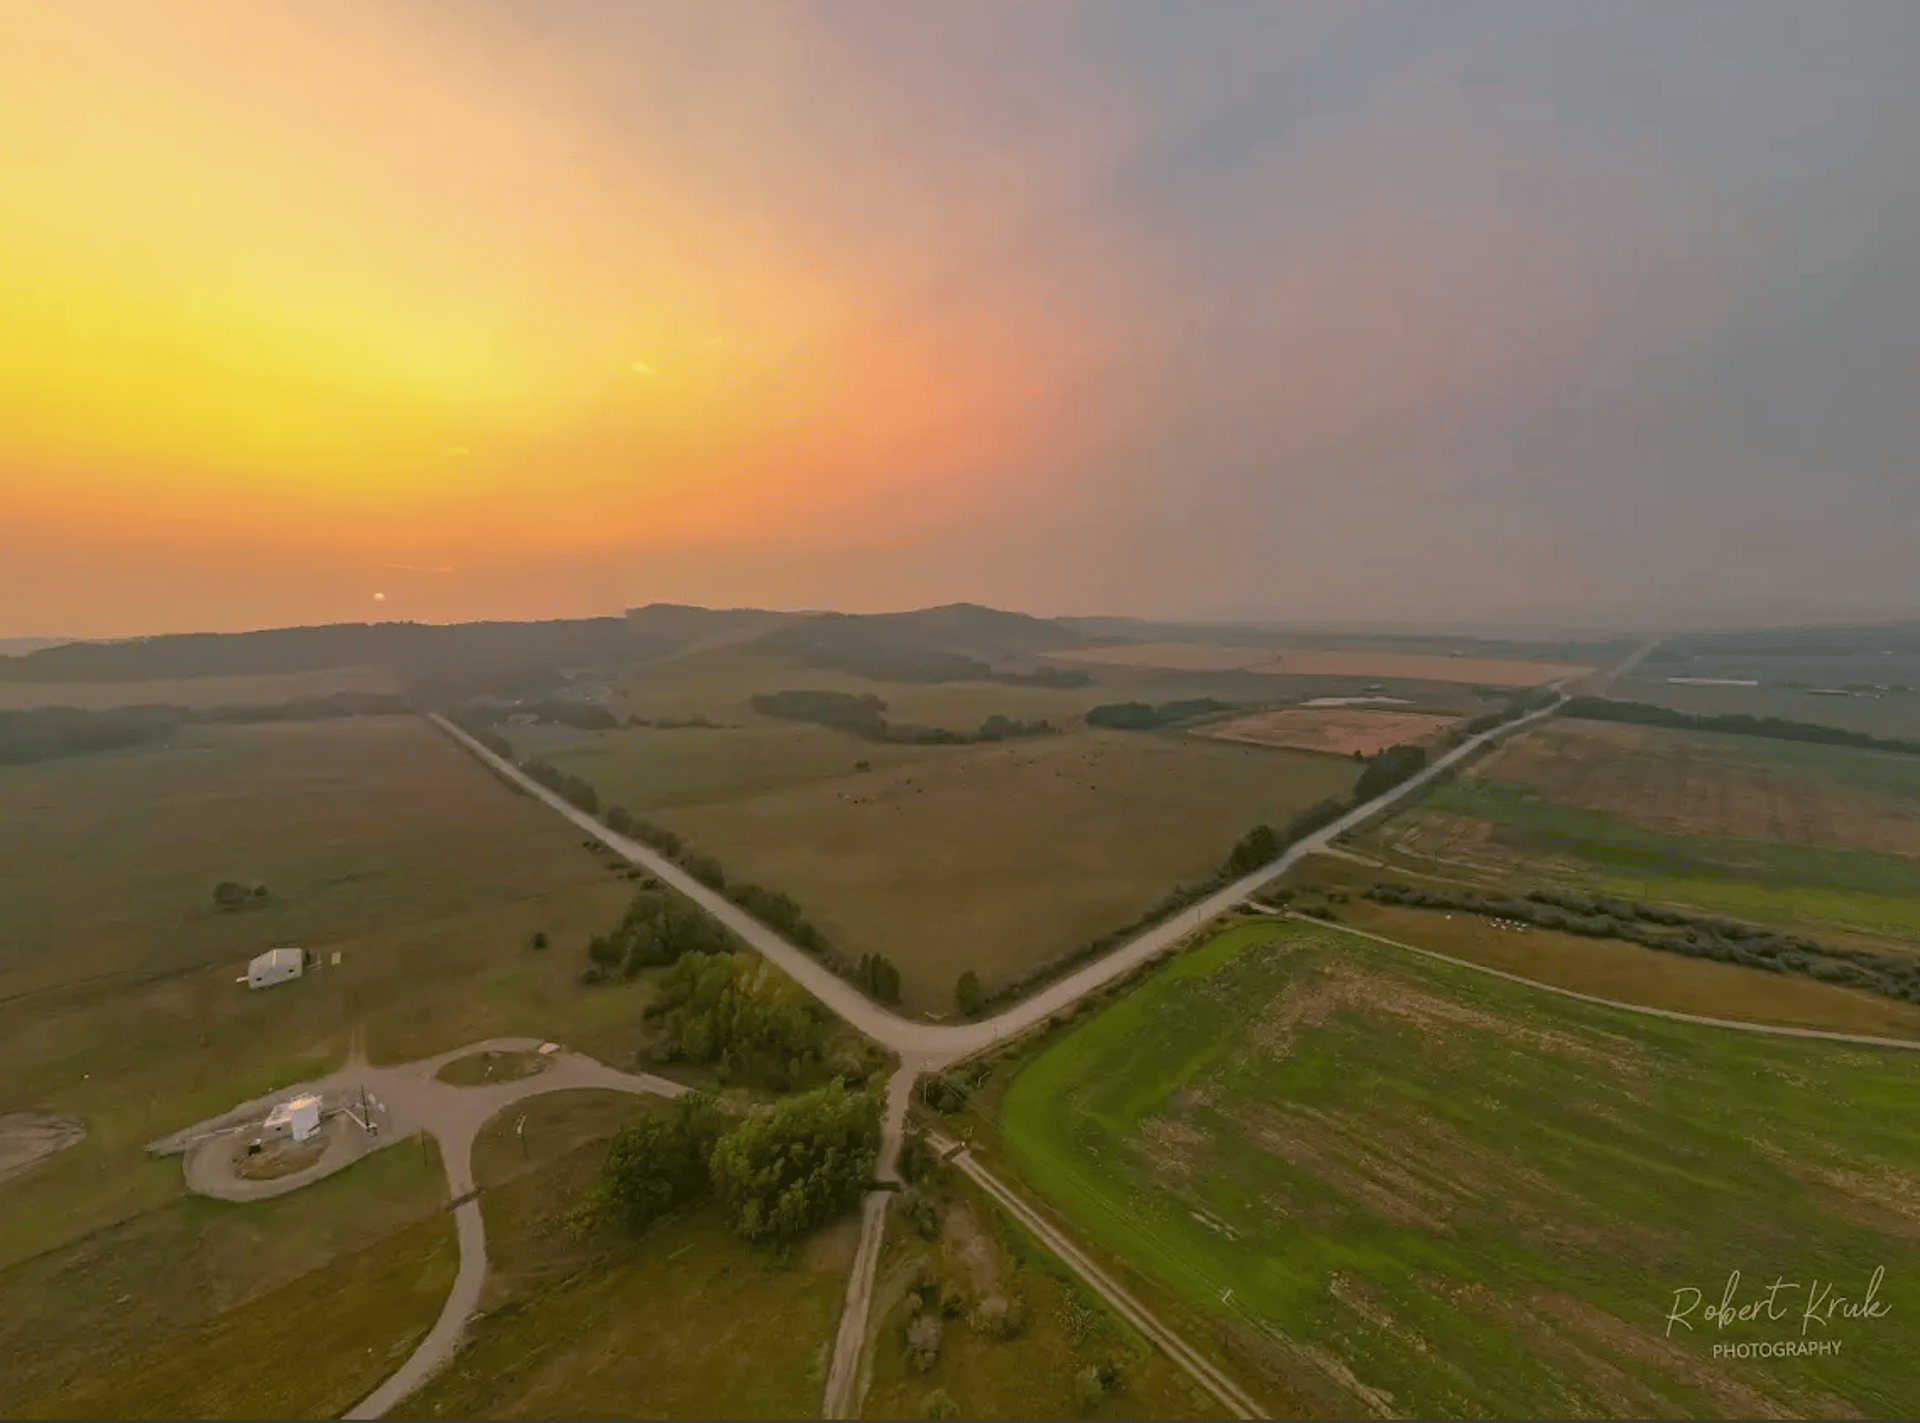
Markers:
1781,1030
1204,1373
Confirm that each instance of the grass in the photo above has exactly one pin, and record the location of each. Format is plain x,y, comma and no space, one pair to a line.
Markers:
684,1321
291,1307
1067,1329
1487,822
1458,1196
1624,972
263,689
378,841
993,858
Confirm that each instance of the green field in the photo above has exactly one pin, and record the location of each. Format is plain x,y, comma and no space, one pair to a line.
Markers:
1536,839
1437,1194
683,1321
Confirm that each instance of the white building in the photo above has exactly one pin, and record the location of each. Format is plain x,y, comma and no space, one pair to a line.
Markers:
298,1118
275,966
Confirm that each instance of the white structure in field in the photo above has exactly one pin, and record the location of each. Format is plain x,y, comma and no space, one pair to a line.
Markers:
275,966
298,1118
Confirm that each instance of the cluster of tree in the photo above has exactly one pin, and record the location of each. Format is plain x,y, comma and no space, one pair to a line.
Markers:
232,894
569,788
740,1014
482,729
582,716
1515,708
865,716
1259,846
1387,769
1738,724
658,928
1674,931
779,1172
42,733
878,976
1144,716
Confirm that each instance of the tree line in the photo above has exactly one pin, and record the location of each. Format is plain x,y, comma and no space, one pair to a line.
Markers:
1737,724
865,716
778,1173
1516,708
1146,716
42,733
1674,931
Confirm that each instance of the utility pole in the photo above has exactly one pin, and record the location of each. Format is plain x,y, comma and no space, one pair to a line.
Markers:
520,1130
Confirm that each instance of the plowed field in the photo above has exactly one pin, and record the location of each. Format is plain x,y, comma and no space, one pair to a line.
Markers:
1341,730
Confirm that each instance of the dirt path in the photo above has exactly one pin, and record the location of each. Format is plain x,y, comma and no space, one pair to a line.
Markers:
850,1339
1236,1402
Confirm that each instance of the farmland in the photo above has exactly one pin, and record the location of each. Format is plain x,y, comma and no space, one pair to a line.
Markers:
259,689
1785,833
1341,731
683,1321
1331,662
993,858
377,841
1436,1194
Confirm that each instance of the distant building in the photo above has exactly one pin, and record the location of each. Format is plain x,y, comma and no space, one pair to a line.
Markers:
276,966
298,1118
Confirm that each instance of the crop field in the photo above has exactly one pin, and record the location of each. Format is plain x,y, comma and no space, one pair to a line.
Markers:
377,840
1341,731
976,1253
1606,968
1895,715
266,689
682,1321
1404,1188
1723,786
997,858
1332,662
1779,832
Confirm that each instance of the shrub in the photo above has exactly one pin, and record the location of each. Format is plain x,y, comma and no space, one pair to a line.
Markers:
923,1341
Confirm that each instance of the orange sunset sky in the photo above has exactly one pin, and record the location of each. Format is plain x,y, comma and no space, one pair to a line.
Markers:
526,310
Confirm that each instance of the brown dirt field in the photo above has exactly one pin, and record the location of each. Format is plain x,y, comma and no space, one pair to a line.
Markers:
1339,730
1171,656
1488,671
1700,784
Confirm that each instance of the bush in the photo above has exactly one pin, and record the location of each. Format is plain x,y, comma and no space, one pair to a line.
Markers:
539,940
999,1317
923,1341
939,1404
967,995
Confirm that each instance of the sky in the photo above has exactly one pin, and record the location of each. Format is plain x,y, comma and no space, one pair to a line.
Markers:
449,309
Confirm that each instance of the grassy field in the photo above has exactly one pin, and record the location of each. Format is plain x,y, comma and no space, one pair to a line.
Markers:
1624,972
993,858
1436,1194
997,858
1894,715
378,841
684,1321
1778,832
287,1308
978,1253
264,689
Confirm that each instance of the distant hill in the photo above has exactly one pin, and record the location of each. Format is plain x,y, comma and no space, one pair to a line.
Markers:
957,642
19,646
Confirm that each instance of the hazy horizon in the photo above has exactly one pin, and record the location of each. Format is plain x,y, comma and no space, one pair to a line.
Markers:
1484,314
